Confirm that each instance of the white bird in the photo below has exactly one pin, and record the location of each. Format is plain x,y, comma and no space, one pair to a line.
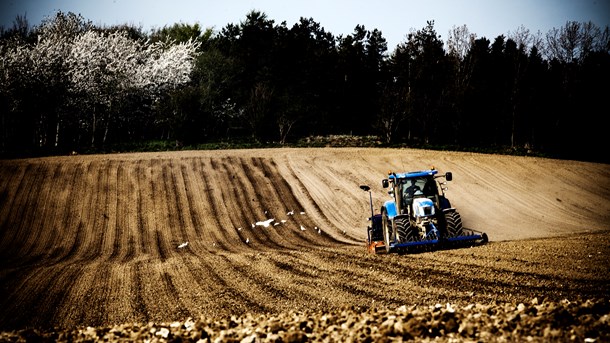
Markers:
276,224
253,226
265,223
183,245
290,213
247,240
302,212
302,228
283,221
319,231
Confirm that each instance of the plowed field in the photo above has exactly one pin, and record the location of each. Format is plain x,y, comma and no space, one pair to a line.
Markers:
157,237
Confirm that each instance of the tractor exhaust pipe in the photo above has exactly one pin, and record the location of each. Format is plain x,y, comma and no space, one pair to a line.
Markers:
368,189
368,231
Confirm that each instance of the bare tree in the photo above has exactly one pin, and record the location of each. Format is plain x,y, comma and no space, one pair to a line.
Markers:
459,44
393,111
525,39
591,39
258,107
563,44
460,41
575,41
285,123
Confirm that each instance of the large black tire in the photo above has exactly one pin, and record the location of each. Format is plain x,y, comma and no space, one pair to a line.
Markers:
386,227
406,232
454,224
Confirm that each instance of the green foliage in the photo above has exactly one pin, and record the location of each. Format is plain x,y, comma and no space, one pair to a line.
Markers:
182,33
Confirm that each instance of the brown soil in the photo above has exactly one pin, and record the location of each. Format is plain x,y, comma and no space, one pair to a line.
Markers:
95,241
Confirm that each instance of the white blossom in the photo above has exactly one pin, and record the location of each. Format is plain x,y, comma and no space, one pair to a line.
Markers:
100,63
167,67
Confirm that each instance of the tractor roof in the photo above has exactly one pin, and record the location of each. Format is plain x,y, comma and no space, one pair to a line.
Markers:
410,175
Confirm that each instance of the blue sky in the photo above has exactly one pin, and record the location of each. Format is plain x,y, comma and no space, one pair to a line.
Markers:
395,18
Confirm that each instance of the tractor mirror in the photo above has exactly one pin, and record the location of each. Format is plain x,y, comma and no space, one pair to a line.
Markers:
385,183
448,176
365,188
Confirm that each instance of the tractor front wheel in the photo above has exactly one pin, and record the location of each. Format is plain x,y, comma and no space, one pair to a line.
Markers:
454,224
407,232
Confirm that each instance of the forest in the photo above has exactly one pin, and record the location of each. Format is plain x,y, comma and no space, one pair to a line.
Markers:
68,85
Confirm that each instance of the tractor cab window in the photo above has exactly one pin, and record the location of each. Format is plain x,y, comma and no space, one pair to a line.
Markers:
430,189
411,188
417,187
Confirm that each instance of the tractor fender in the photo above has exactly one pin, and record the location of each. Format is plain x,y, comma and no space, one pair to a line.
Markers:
390,207
444,203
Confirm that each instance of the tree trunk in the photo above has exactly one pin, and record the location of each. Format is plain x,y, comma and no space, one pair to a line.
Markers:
93,128
57,134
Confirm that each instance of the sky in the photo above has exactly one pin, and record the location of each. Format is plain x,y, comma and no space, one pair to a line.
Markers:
394,18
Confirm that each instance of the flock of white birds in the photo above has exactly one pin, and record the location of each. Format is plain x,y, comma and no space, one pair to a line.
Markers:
265,223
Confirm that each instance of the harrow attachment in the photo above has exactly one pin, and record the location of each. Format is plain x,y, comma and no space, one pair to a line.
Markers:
375,241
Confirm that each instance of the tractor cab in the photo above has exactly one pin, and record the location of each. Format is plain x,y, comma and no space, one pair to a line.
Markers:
407,188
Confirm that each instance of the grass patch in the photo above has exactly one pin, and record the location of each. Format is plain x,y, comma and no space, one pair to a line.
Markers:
333,141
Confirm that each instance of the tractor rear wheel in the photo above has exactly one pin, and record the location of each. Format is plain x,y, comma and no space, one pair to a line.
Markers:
406,232
454,224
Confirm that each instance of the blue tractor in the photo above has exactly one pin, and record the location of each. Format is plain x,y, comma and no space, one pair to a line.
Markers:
418,216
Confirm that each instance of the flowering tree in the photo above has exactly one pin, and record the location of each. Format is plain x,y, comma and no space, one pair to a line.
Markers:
166,65
74,77
106,67
15,75
15,69
49,56
34,80
102,68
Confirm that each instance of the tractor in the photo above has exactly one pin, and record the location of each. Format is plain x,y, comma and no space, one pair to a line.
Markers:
418,215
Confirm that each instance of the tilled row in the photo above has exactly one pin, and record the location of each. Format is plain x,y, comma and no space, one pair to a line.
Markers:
117,211
324,279
581,321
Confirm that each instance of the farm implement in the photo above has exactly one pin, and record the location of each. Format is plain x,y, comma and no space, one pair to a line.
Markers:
418,216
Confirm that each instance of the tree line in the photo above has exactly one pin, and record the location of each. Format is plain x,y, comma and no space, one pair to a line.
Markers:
69,85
